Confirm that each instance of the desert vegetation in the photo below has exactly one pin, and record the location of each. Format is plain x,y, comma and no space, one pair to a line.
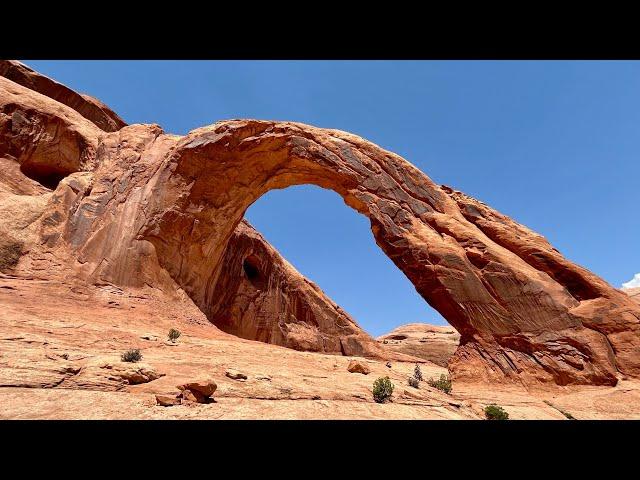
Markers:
174,335
382,389
10,253
495,412
443,383
416,378
132,355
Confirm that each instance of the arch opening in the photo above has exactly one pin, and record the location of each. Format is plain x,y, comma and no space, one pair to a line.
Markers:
332,245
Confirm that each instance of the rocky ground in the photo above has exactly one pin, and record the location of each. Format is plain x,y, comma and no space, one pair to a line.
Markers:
60,347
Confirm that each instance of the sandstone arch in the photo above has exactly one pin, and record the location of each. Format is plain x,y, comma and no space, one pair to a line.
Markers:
135,198
522,310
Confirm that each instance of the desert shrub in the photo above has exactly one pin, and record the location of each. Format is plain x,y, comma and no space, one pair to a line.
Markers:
174,334
495,412
563,412
417,373
382,389
414,382
132,355
10,253
443,383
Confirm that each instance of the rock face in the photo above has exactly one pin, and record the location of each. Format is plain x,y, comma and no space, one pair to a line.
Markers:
138,207
260,296
92,109
429,342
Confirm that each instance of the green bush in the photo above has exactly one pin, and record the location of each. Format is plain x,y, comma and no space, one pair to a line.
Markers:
414,382
495,412
174,334
417,373
443,383
132,355
382,389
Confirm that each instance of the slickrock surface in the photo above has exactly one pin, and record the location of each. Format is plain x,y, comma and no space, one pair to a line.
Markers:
53,335
137,208
429,342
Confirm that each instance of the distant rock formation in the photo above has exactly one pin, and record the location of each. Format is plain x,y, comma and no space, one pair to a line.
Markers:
429,342
634,293
135,208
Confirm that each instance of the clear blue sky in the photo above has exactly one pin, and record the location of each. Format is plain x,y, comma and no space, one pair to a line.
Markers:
552,144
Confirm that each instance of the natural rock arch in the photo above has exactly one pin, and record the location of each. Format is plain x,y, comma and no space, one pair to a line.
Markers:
133,197
522,309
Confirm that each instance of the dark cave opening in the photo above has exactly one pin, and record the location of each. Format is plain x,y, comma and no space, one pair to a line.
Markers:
46,176
250,266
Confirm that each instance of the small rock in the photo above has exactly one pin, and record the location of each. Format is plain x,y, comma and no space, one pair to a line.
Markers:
189,396
316,397
151,338
138,374
388,364
356,366
167,400
204,387
235,375
266,378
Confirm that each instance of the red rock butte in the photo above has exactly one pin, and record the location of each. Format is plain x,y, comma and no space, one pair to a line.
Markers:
133,206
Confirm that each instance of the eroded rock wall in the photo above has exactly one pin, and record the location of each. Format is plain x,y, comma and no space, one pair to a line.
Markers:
260,296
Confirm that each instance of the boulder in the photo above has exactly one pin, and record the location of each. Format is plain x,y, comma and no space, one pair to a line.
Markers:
203,387
192,396
167,400
356,366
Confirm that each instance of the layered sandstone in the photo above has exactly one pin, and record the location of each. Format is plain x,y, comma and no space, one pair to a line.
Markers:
430,342
138,208
261,296
90,108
